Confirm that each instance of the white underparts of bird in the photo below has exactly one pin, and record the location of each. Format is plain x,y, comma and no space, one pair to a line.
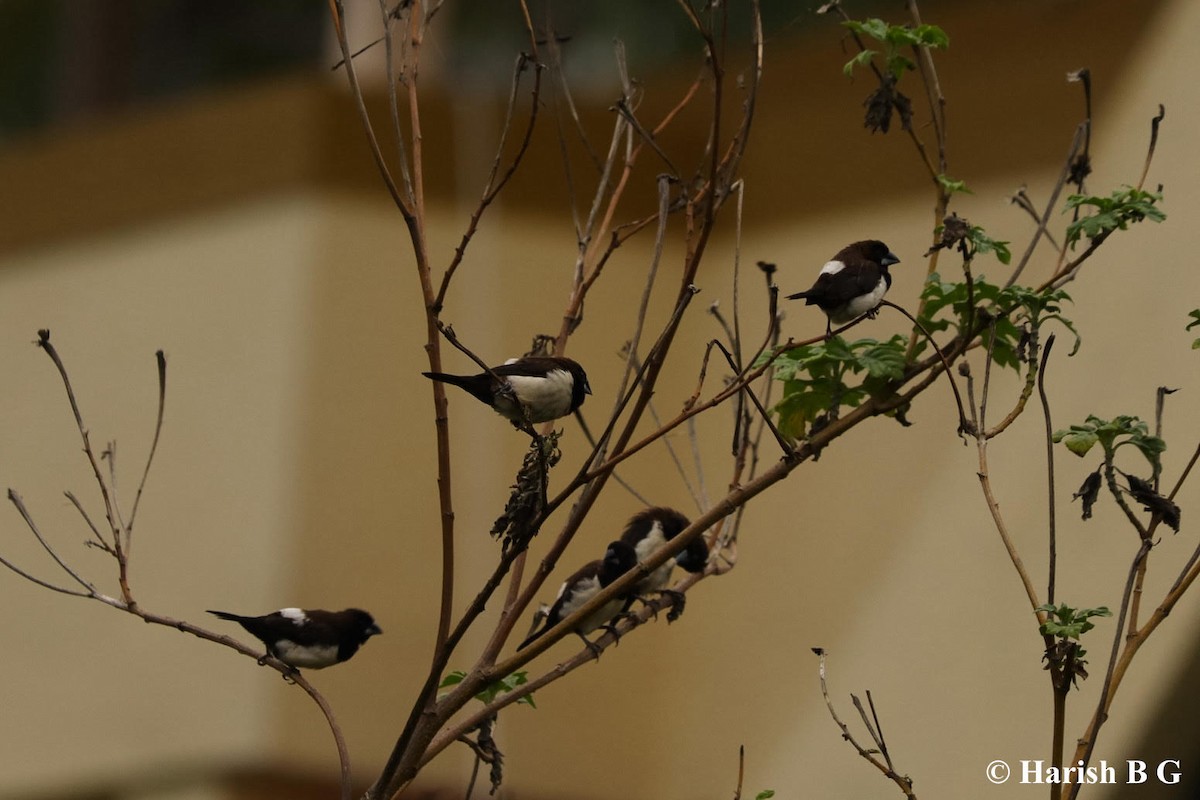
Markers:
649,530
852,283
534,388
582,586
313,639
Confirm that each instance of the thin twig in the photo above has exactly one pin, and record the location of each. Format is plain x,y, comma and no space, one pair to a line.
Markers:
1087,742
737,793
1154,123
624,484
44,343
1072,152
963,422
782,440
1021,200
493,187
16,500
1051,513
338,13
100,542
902,781
675,459
158,423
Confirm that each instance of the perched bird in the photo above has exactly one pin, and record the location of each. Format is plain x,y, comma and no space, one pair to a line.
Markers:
852,283
545,387
649,530
311,639
581,587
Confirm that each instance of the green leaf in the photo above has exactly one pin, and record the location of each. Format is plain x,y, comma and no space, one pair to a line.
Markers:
506,684
883,361
985,244
953,186
765,794
1078,442
932,36
1069,623
1011,308
1124,207
898,64
818,378
860,60
1121,431
875,28
1195,315
894,37
453,679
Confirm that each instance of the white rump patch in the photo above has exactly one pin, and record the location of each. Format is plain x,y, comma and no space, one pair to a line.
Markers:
296,615
832,267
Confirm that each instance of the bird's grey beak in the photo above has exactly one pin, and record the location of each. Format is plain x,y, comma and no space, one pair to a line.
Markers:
587,388
374,630
890,259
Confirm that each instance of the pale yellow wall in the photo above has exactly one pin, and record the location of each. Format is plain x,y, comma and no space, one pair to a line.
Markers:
96,692
295,469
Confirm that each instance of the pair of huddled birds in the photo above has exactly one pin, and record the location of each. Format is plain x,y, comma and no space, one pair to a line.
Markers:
538,389
317,639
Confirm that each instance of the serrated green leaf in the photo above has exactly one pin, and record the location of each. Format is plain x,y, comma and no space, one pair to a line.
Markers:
1069,623
817,378
1124,207
860,60
984,244
876,28
932,36
1078,442
883,361
837,348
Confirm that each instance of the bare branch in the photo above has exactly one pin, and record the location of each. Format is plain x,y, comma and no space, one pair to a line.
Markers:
100,541
44,343
1051,513
16,500
1154,123
158,423
402,201
902,781
1072,152
493,187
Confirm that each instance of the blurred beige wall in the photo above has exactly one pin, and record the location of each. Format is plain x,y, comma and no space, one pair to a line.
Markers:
295,466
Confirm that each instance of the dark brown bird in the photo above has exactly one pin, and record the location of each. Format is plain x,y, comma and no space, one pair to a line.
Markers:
545,387
852,283
582,586
311,639
649,530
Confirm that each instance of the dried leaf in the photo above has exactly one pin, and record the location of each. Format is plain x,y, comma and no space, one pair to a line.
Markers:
1152,501
1089,492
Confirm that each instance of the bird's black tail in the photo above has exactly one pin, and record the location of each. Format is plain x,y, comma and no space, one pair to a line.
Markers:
227,615
532,637
805,296
475,385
